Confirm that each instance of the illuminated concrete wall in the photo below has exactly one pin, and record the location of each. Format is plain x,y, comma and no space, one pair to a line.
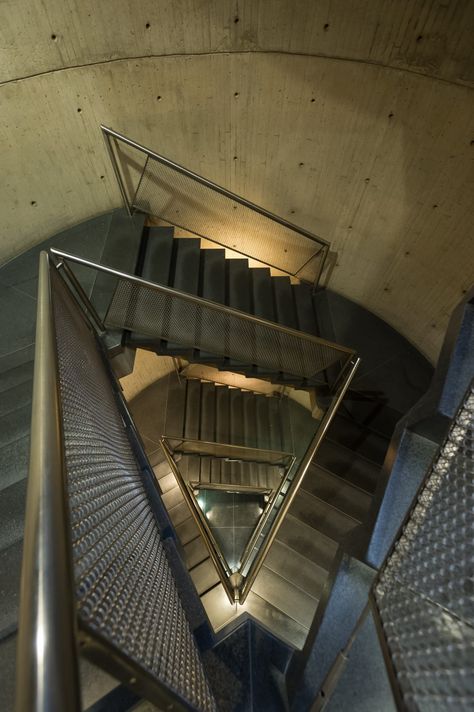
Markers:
353,119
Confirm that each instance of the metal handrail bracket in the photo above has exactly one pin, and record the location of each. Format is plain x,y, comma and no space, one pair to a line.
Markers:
47,659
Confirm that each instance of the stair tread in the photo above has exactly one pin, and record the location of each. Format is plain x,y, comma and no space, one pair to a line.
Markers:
238,284
306,318
15,425
14,458
121,251
348,464
212,286
296,568
362,440
262,293
16,397
193,407
195,552
175,404
307,541
236,417
284,303
250,422
12,513
322,516
338,492
222,414
289,599
204,576
213,275
16,375
10,571
158,255
277,622
263,424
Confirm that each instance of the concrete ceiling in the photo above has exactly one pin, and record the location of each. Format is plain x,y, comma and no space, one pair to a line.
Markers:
355,119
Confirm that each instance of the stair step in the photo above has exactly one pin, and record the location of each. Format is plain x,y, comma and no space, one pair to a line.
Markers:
337,492
14,458
263,422
275,424
195,552
213,275
238,297
179,515
172,497
193,407
212,286
205,470
306,318
361,440
189,468
175,406
187,529
289,599
208,412
307,541
236,417
15,425
12,513
10,571
285,426
215,471
185,264
158,255
280,624
284,303
121,251
204,576
185,278
16,397
167,482
238,284
16,376
262,293
347,464
321,516
222,414
296,568
250,420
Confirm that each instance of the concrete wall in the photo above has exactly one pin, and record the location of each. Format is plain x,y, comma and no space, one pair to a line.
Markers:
355,119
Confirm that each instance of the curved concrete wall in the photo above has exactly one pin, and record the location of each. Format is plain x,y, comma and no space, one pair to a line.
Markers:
353,119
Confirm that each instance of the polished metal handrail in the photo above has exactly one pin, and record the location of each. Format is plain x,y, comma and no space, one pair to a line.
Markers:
218,560
343,351
110,135
295,482
47,666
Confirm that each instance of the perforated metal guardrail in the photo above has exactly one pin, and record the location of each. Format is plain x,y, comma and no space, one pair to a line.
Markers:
126,594
425,592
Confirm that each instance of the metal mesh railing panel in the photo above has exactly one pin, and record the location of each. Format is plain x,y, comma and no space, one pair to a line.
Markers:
183,201
124,586
424,594
177,319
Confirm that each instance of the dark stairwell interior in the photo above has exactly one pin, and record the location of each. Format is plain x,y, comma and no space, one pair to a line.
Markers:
335,499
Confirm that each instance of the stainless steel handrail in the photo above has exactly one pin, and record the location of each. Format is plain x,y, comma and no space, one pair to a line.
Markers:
303,336
110,136
218,560
245,453
47,666
209,184
297,480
